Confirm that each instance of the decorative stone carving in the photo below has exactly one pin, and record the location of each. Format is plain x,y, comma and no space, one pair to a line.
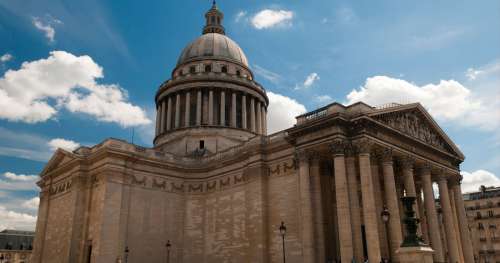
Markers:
210,186
239,179
338,147
425,168
195,188
176,188
287,167
137,181
386,155
413,124
225,182
363,145
158,185
407,162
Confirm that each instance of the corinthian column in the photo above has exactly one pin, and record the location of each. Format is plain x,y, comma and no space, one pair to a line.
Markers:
391,198
222,108
370,214
252,114
353,184
177,110
233,109
211,107
244,111
263,119
188,110
259,121
462,221
342,196
198,108
430,210
409,184
451,236
162,117
169,113
305,208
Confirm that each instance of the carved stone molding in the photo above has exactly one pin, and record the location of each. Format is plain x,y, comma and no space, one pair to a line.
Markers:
158,185
301,156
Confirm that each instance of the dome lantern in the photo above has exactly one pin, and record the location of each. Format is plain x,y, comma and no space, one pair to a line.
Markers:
214,21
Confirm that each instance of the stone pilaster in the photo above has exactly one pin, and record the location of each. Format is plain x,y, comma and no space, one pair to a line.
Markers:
451,236
462,222
233,109
391,197
370,215
353,184
342,201
211,107
317,208
431,213
187,112
222,108
158,120
169,114
305,208
244,111
379,203
198,108
263,119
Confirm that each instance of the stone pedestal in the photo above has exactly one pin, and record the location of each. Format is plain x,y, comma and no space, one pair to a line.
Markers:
419,254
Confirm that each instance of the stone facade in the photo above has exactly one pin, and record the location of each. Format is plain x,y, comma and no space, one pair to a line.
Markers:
217,187
483,213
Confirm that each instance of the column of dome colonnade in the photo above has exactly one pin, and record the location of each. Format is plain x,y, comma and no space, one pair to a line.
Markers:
226,108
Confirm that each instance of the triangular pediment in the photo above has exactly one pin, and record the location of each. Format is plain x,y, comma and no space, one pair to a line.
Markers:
414,121
59,158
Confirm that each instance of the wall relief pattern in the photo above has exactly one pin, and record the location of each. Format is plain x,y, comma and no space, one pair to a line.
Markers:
283,168
413,124
176,186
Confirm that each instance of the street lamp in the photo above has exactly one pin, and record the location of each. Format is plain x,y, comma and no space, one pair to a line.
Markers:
126,254
168,245
386,215
282,233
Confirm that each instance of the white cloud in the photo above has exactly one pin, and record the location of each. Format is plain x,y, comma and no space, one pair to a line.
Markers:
5,57
472,181
15,220
323,99
268,18
27,94
345,15
16,182
436,39
32,203
67,145
282,112
491,68
19,177
448,100
311,78
46,25
267,74
239,16
308,82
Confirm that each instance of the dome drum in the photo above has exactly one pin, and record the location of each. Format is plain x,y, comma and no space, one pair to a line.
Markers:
211,99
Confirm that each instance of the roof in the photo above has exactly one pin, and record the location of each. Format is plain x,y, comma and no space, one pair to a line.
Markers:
213,46
16,240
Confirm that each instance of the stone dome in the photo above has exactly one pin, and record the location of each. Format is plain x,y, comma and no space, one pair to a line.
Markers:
213,46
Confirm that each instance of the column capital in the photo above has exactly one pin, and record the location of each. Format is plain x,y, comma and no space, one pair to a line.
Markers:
338,146
386,155
363,145
302,155
442,177
407,162
455,180
426,168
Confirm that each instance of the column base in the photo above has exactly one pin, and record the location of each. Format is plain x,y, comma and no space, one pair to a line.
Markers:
415,254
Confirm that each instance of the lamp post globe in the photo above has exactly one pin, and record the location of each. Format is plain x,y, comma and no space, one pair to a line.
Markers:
282,230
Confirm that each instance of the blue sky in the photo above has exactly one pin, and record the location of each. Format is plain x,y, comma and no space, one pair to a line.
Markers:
85,59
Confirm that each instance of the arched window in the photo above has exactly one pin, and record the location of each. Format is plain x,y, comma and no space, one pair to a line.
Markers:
224,69
208,68
192,69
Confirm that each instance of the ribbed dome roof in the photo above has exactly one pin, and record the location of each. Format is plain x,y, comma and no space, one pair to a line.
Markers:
213,46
